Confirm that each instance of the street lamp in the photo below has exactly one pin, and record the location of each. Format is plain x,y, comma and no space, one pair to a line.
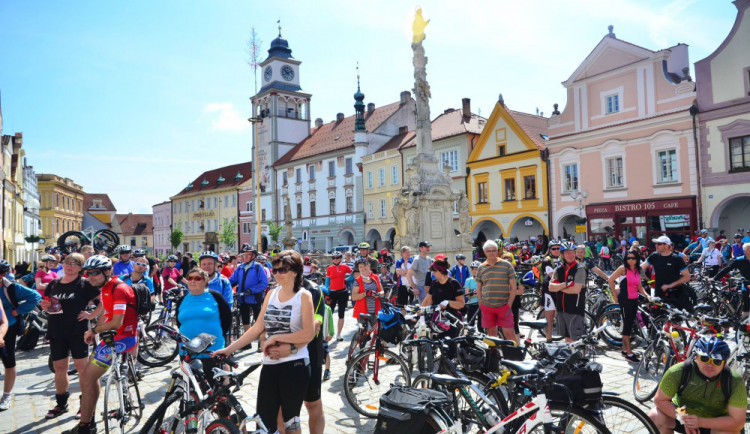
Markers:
580,197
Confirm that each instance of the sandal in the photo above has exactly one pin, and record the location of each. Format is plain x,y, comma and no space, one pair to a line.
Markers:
57,411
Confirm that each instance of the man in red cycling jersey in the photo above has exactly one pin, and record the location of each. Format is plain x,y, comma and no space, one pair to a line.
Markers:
119,313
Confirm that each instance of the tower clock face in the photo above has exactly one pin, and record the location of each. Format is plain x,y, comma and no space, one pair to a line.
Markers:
287,73
267,73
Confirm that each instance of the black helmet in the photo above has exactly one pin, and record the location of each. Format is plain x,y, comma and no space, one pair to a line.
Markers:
4,266
460,256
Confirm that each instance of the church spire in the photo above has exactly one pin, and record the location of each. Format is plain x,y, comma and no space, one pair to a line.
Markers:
359,107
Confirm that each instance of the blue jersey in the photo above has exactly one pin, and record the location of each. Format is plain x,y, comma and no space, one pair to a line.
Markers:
146,280
122,268
200,314
221,285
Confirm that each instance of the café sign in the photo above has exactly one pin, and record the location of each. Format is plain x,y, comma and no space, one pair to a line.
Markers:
638,206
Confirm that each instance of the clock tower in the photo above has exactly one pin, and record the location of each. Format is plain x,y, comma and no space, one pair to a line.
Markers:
284,111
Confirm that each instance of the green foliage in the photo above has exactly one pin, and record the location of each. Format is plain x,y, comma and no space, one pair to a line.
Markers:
176,238
228,233
274,230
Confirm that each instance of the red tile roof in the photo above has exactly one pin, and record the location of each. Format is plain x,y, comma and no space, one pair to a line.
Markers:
397,141
533,126
211,178
337,134
136,224
452,123
88,202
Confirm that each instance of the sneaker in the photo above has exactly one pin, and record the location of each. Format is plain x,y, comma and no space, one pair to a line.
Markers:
5,403
327,375
82,429
624,353
78,415
57,411
633,358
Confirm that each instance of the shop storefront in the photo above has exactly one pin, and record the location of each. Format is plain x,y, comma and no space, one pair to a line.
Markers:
646,219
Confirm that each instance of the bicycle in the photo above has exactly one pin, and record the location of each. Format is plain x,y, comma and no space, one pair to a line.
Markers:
156,347
123,407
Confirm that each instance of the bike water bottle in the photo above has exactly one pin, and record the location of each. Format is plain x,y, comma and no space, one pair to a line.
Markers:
191,424
489,415
678,341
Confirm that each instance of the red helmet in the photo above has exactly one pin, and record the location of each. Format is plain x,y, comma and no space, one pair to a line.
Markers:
307,260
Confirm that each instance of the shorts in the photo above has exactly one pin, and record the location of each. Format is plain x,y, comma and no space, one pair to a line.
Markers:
315,384
102,355
549,302
8,352
422,294
497,316
339,298
679,427
245,312
570,325
282,385
75,346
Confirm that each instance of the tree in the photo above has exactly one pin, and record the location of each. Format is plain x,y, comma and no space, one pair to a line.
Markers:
176,238
229,232
274,230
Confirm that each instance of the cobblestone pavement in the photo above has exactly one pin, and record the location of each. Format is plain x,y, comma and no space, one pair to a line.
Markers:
34,391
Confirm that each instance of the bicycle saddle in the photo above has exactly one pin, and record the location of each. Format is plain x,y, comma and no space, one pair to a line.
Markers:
365,316
447,380
497,342
521,367
538,324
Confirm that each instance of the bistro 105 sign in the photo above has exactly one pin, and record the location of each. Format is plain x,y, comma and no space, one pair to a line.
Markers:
639,206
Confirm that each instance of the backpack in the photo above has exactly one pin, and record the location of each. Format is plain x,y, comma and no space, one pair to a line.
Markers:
725,380
142,298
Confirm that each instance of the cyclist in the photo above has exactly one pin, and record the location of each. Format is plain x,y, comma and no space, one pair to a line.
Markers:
460,271
405,294
45,275
124,265
208,262
420,266
496,290
626,294
120,315
139,275
550,262
737,246
170,274
503,254
712,257
364,252
705,403
588,263
741,264
17,301
251,281
671,274
446,292
367,290
470,291
569,286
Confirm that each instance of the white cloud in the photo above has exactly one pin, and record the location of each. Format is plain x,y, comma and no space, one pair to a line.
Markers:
229,118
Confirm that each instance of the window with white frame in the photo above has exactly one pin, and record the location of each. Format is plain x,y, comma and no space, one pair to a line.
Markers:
381,177
667,165
370,213
216,202
369,180
249,206
349,205
311,171
246,228
349,166
613,104
394,174
284,178
298,175
739,154
382,208
331,169
614,172
450,158
570,177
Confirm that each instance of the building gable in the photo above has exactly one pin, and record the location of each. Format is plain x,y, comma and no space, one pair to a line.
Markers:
609,54
501,129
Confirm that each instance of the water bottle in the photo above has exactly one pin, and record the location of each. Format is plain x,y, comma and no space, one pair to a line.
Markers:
489,415
679,344
191,424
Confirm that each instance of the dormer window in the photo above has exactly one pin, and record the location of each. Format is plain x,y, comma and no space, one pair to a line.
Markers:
189,186
238,177
613,104
205,182
220,180
97,203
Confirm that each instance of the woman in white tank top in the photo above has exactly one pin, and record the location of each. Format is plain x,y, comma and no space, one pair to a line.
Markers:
286,319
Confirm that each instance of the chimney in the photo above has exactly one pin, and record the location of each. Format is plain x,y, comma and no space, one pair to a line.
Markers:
466,104
370,107
403,130
339,117
318,123
405,96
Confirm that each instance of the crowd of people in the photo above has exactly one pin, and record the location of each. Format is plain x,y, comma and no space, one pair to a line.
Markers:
287,305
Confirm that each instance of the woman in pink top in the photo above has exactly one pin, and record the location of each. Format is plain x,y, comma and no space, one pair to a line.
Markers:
45,274
627,295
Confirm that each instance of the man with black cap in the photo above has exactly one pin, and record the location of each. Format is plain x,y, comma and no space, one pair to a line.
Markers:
418,271
671,274
251,281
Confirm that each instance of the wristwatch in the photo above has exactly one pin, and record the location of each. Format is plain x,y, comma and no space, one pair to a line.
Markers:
294,348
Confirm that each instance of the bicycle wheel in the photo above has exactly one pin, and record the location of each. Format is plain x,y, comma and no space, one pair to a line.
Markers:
164,417
470,421
133,404
221,426
612,334
156,347
531,302
114,406
651,368
363,390
353,345
621,416
568,419
425,358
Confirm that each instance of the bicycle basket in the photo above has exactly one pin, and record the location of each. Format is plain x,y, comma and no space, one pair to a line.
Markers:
390,325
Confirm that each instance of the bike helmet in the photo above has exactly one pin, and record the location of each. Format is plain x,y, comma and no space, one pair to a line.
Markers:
336,254
124,248
172,258
4,266
581,246
712,347
97,262
567,245
209,254
460,256
535,260
262,258
248,248
360,261
364,245
499,243
46,258
738,235
307,260
471,357
554,243
512,247
439,323
704,231
475,264
643,249
139,252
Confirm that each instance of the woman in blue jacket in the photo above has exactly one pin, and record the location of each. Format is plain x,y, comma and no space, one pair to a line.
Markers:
17,301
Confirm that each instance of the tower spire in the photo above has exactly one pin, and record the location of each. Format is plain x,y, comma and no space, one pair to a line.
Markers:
278,23
359,107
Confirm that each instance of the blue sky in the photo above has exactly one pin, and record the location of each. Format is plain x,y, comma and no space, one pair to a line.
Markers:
136,99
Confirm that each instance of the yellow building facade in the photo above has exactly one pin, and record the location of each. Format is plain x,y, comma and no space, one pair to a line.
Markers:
61,206
507,186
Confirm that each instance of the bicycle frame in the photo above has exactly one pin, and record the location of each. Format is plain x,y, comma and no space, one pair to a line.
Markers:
538,403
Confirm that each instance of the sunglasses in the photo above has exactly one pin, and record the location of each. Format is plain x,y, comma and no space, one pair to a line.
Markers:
93,273
280,270
658,244
706,359
71,263
555,248
194,278
632,258
140,264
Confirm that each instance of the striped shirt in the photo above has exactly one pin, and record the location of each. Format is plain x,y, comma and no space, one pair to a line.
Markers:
495,281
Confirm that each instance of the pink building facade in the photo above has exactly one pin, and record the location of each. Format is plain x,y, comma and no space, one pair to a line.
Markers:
162,213
247,222
622,152
724,128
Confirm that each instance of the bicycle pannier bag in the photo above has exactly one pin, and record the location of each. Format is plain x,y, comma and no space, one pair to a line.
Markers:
404,410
